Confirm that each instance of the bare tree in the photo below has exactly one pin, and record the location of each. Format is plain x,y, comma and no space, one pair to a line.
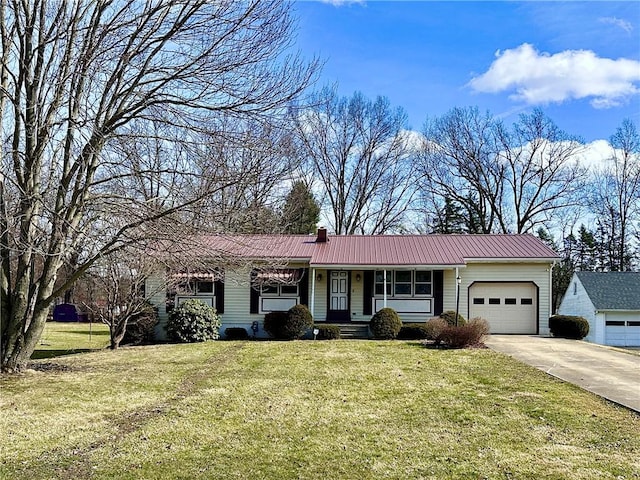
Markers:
258,156
457,162
118,296
77,79
360,153
505,180
616,196
541,172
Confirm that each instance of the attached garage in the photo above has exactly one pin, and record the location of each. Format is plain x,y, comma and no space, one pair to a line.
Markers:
509,307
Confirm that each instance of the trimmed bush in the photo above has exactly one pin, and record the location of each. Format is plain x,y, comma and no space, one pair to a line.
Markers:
462,336
236,333
450,317
434,327
413,331
274,323
193,321
568,326
385,324
140,329
328,332
299,320
289,325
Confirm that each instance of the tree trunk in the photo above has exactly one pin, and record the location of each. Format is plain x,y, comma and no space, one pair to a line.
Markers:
18,345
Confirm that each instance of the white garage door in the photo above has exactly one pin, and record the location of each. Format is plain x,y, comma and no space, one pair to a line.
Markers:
622,329
508,307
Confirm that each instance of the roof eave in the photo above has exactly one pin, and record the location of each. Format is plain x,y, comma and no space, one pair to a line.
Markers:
376,266
512,260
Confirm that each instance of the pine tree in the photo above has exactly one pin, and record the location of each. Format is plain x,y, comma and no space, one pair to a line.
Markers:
450,218
301,211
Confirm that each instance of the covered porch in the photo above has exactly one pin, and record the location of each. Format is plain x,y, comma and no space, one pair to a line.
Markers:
352,294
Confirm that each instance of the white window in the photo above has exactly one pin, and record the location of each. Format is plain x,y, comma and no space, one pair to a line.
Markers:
195,287
278,290
379,283
405,283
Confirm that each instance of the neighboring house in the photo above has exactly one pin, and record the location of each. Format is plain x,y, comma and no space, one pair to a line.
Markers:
505,279
610,301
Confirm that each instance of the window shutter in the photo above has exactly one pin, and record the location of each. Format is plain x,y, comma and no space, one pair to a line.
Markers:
303,286
438,292
219,292
254,296
368,292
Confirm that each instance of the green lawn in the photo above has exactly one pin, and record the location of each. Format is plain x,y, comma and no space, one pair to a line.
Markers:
64,338
306,410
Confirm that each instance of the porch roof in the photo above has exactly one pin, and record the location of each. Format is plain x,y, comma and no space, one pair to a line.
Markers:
382,250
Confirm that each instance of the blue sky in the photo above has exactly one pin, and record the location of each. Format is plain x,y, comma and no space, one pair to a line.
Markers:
578,61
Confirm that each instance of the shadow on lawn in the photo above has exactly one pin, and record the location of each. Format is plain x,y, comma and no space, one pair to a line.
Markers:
42,354
89,332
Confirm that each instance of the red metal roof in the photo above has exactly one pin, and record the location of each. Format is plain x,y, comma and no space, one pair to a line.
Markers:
371,250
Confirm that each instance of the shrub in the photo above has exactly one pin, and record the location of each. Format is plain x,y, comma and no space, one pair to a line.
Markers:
140,329
193,321
289,325
568,326
385,324
413,331
450,317
299,320
328,332
468,335
236,333
434,327
274,323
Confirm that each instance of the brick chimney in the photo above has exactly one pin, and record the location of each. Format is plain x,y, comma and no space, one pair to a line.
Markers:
322,235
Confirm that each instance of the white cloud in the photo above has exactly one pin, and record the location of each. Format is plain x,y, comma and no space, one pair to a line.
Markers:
618,22
541,78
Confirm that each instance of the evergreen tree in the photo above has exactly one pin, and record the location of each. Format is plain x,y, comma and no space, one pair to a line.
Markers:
301,211
449,218
587,251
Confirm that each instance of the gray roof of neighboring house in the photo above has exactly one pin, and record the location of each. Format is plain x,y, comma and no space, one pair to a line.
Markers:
612,290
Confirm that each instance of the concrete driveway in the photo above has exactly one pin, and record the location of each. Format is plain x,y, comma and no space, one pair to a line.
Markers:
608,372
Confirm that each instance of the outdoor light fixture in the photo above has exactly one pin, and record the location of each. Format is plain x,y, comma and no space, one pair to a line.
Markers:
315,333
357,277
319,277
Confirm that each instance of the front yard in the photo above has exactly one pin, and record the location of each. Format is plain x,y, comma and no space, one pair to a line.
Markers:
307,410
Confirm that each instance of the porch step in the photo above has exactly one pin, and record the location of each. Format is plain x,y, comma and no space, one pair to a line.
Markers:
350,331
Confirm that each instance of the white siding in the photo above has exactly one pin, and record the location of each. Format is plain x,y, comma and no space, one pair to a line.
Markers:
156,290
237,303
320,306
576,302
449,290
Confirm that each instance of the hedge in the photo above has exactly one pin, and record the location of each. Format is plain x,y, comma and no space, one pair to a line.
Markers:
569,326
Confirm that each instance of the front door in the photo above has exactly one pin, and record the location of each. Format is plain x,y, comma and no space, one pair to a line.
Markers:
338,296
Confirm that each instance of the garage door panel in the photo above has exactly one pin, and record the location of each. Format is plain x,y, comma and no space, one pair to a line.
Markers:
508,307
622,330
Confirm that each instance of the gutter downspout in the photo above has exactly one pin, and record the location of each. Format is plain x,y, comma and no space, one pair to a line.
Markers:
551,288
